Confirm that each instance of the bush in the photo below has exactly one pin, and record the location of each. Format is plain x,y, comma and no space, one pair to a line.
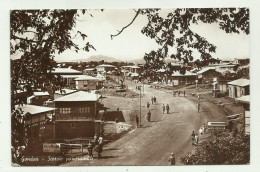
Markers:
225,149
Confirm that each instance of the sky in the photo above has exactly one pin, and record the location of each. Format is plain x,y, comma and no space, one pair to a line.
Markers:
132,44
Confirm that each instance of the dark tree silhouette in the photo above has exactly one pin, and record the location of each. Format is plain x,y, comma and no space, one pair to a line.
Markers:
37,35
174,31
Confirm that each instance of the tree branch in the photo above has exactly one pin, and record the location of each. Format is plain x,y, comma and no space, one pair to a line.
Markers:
24,39
119,32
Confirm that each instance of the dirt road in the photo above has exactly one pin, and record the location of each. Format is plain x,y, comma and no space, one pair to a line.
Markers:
152,143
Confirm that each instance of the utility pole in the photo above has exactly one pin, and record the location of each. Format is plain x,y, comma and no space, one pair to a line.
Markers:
140,107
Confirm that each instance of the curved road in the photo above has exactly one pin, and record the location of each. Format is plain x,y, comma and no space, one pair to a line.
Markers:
152,143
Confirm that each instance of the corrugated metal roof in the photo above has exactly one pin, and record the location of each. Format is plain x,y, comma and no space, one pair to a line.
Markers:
105,65
64,70
78,96
33,109
244,99
205,70
177,73
86,78
65,91
41,93
240,82
89,69
71,76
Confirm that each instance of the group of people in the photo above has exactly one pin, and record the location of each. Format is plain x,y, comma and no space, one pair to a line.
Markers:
97,145
195,137
153,99
174,93
167,107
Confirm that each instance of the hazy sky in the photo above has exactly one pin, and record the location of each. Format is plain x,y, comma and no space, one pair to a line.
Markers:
132,44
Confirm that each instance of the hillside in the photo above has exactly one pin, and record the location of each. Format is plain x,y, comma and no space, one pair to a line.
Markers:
98,58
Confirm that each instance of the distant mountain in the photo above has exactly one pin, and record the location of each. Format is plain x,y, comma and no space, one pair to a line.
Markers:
142,61
98,58
138,61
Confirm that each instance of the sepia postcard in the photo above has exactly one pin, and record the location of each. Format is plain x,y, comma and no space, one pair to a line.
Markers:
130,87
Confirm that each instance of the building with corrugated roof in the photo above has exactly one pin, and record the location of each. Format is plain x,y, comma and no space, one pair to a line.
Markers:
245,100
38,98
88,83
37,124
182,79
103,68
207,74
65,71
239,87
75,115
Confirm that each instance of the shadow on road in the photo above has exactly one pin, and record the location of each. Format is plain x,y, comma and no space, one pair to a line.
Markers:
156,121
144,126
107,157
110,149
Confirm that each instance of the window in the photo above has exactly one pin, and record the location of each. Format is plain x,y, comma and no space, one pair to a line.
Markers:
72,125
84,110
65,110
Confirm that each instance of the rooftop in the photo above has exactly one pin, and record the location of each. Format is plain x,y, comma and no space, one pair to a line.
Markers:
41,93
86,78
177,73
89,69
106,65
71,76
64,70
240,82
80,96
244,99
65,91
205,70
33,109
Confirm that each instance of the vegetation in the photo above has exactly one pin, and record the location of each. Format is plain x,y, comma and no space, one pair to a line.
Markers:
224,149
38,34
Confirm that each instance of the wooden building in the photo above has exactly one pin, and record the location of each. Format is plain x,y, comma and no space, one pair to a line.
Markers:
75,115
180,79
38,125
245,100
87,83
104,68
207,74
38,98
239,87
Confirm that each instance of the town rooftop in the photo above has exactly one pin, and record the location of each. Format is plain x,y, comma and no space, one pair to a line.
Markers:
79,96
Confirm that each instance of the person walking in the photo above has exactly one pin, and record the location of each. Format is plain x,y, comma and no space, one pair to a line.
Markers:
201,131
149,116
163,108
171,159
179,92
167,108
196,138
100,146
137,120
100,140
184,93
198,106
204,128
154,99
95,141
148,105
193,137
90,150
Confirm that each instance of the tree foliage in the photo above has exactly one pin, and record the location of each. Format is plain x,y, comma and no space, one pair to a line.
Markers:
174,32
225,149
37,35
